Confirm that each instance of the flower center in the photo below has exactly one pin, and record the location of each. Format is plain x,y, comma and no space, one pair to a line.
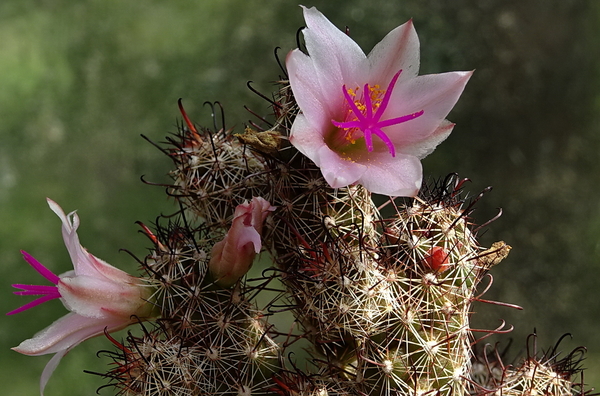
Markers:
364,114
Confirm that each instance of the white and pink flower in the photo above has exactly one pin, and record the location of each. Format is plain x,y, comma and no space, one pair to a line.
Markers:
100,297
232,257
368,119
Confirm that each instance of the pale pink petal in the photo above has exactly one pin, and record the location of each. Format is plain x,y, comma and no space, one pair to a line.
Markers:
423,148
337,171
410,120
310,141
400,177
228,262
84,263
61,336
99,296
67,332
247,235
435,94
307,138
260,210
107,270
49,369
399,50
316,79
70,223
335,55
320,106
95,297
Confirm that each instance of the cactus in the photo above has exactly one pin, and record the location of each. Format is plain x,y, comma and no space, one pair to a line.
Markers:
545,374
380,289
383,300
381,293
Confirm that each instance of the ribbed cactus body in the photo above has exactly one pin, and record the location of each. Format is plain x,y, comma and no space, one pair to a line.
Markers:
382,319
214,173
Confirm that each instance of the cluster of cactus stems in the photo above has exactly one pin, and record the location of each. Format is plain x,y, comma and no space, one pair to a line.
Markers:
380,294
375,297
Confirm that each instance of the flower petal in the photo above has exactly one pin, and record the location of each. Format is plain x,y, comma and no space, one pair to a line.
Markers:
84,262
67,332
49,369
399,50
333,58
95,297
335,130
307,138
70,224
425,147
61,336
232,257
337,171
397,177
435,94
310,142
307,89
336,56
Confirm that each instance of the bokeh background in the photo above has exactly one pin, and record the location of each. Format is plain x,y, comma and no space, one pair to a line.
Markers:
81,80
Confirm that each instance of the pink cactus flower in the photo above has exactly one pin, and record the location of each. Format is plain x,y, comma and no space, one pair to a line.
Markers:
368,119
99,296
232,257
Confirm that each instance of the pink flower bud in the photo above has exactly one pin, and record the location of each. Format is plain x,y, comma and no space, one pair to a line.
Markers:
232,257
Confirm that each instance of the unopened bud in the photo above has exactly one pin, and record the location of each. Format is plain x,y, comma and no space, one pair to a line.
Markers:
232,257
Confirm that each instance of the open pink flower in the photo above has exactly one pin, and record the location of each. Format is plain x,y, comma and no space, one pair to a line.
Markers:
368,119
232,257
99,296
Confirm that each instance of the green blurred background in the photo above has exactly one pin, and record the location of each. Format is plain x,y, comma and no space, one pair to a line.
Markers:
81,80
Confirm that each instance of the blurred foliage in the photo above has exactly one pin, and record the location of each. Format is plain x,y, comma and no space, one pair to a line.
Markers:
81,80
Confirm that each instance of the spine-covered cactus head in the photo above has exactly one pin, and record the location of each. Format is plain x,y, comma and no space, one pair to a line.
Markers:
548,373
386,301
